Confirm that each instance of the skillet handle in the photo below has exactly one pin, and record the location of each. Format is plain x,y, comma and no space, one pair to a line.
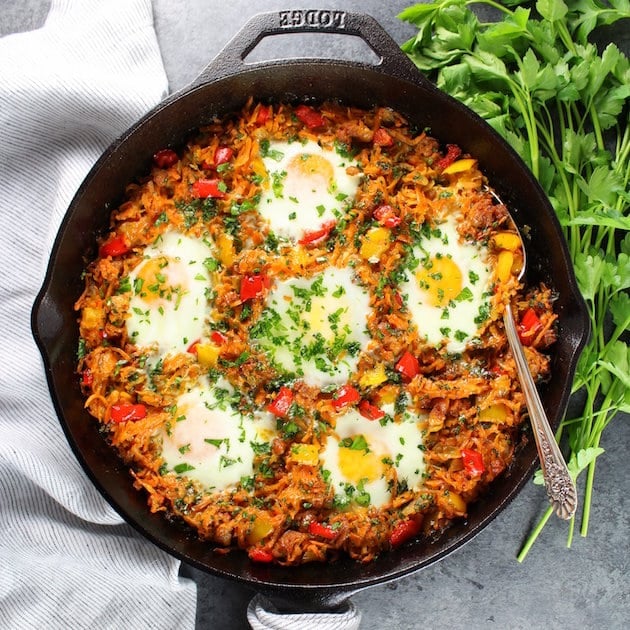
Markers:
268,612
320,600
231,59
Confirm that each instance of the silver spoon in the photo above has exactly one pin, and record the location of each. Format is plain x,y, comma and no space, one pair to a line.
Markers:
558,482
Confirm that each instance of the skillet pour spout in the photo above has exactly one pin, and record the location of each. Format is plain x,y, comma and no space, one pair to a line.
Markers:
223,87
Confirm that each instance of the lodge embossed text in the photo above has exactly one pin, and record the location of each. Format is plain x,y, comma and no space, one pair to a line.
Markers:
321,18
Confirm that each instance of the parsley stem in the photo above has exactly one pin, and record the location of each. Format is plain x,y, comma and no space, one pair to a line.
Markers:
588,493
597,128
523,102
571,531
491,3
531,539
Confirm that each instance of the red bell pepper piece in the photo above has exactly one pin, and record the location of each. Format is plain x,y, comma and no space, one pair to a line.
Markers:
264,114
260,555
223,155
87,378
386,216
115,246
405,530
204,188
310,117
252,286
127,412
407,366
473,462
383,138
346,395
497,370
310,238
165,158
322,530
528,327
370,411
452,153
281,403
218,338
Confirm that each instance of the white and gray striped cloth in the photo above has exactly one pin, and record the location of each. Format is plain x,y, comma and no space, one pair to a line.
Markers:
66,91
68,560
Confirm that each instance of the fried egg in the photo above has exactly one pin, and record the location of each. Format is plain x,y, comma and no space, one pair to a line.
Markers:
208,440
357,459
306,187
168,307
314,328
448,287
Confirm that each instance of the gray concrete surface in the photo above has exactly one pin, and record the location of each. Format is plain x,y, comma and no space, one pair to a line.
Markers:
481,585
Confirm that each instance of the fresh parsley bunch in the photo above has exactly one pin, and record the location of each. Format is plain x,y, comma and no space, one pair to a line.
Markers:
532,72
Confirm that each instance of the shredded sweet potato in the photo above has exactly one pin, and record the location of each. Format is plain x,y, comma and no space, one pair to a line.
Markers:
468,405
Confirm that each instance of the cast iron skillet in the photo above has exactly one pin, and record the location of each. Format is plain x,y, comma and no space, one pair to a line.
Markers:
224,86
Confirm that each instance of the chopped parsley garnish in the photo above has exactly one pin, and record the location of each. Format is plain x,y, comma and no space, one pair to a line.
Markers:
460,335
484,313
261,448
267,152
211,264
356,443
217,442
465,295
182,468
124,285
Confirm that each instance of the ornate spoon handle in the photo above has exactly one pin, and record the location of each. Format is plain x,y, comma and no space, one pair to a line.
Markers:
560,487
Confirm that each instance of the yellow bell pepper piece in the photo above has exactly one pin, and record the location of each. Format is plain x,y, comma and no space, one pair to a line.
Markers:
507,240
460,166
258,166
455,501
373,377
494,413
306,454
225,249
207,354
262,527
505,260
387,395
375,243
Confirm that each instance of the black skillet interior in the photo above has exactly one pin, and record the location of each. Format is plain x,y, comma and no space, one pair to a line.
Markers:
224,87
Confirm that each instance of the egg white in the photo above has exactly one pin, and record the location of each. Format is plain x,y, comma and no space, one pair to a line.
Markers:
446,310
168,308
358,475
208,440
314,328
307,186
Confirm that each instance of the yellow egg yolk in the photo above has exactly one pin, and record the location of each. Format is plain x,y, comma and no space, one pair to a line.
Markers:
441,279
315,168
154,279
322,318
308,173
356,465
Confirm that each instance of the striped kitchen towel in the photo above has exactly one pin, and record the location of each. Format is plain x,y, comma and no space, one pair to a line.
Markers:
66,91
